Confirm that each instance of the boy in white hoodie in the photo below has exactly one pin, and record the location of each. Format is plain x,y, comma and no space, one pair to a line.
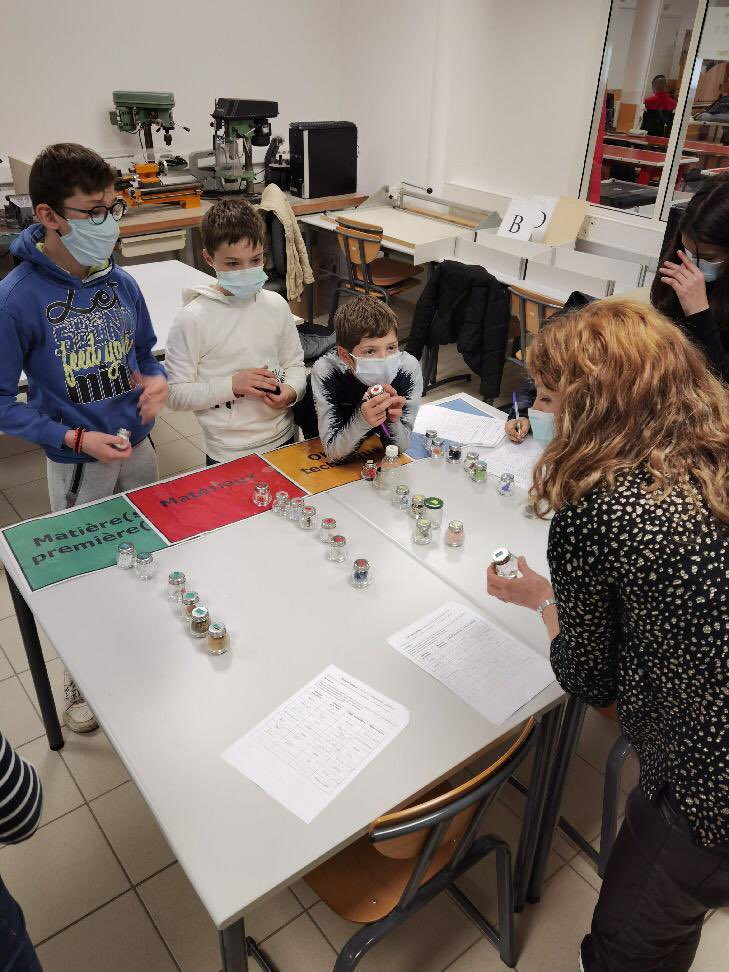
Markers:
234,356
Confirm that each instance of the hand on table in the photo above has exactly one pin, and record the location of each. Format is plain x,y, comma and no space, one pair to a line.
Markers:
517,429
254,383
528,591
374,411
687,282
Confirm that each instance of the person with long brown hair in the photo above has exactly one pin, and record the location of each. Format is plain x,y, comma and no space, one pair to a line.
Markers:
692,284
637,476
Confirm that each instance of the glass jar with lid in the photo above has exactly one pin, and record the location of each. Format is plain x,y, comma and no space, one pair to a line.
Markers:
433,510
218,638
337,552
423,532
176,585
144,565
199,621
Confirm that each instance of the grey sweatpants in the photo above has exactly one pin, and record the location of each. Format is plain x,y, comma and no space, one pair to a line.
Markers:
71,484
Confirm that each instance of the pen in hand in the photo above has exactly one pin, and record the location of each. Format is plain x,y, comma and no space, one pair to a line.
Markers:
515,403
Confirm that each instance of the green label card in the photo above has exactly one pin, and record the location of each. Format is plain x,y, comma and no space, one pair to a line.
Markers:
75,542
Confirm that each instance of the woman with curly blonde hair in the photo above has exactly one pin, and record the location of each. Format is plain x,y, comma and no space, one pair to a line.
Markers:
637,476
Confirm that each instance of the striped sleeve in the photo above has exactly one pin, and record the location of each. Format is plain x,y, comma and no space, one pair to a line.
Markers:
20,796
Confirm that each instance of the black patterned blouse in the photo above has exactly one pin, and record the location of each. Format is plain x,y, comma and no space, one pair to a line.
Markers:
643,602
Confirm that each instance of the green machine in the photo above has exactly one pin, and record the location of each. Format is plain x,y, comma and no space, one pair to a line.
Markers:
138,111
238,125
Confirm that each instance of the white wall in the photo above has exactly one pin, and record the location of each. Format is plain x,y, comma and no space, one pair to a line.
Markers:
485,93
67,57
523,84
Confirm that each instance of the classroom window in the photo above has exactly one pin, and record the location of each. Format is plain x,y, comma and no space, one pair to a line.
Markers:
644,152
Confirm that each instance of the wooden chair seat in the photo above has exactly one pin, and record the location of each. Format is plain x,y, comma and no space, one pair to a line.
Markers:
388,273
360,884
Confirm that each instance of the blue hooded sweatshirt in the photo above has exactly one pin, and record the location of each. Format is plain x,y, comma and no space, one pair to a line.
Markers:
79,342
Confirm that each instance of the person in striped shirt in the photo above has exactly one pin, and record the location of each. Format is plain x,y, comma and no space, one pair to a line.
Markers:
21,800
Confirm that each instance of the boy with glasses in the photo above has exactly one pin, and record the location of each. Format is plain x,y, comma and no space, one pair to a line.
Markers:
79,327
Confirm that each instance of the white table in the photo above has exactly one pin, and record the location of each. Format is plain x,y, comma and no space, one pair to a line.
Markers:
162,283
144,676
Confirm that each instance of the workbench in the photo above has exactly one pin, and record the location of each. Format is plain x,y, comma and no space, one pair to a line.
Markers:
643,159
142,220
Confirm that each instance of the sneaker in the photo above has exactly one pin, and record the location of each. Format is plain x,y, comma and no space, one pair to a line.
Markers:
78,716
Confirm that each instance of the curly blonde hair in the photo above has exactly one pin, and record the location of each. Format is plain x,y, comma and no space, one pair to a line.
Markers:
635,393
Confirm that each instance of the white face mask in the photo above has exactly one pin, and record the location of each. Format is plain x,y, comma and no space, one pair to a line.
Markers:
243,283
377,371
542,424
91,244
710,270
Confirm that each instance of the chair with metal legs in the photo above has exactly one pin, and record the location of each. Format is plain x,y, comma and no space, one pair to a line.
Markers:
411,855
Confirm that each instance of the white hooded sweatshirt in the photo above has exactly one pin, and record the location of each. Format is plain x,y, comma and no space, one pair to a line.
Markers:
212,337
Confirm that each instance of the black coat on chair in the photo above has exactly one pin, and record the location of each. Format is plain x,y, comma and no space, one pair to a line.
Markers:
466,305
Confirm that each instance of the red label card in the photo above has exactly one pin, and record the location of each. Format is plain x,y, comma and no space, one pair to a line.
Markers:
183,508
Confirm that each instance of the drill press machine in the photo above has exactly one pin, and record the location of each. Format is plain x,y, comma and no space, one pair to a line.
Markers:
238,125
137,112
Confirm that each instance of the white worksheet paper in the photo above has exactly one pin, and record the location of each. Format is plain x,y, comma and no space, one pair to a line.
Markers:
318,741
518,459
457,426
487,668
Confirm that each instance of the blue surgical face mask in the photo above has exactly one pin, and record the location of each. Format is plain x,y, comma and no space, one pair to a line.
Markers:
542,424
377,371
91,244
710,270
243,283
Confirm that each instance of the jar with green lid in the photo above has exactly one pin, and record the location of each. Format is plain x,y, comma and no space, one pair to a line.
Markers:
199,621
433,511
190,600
218,638
176,585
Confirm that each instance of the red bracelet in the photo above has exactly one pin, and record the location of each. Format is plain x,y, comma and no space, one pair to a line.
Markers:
78,439
81,440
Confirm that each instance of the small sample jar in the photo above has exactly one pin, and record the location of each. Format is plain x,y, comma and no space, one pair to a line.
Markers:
479,471
123,434
199,622
529,511
505,562
126,554
262,495
361,573
378,481
189,601
417,505
176,585
401,497
337,549
281,503
307,520
423,532
471,457
437,449
369,471
454,534
327,528
433,510
218,638
144,565
296,508
455,451
429,436
505,486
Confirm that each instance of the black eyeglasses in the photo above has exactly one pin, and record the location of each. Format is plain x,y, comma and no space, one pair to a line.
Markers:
99,213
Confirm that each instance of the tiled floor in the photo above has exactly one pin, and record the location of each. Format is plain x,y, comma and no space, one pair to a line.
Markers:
100,887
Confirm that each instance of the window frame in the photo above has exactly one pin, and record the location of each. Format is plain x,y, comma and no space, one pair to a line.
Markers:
684,107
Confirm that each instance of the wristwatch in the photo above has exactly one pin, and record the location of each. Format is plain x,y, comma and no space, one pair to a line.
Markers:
544,605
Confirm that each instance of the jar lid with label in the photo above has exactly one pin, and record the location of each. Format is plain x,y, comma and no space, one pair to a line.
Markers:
501,556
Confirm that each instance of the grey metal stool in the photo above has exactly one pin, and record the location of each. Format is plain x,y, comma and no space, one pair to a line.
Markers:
411,855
